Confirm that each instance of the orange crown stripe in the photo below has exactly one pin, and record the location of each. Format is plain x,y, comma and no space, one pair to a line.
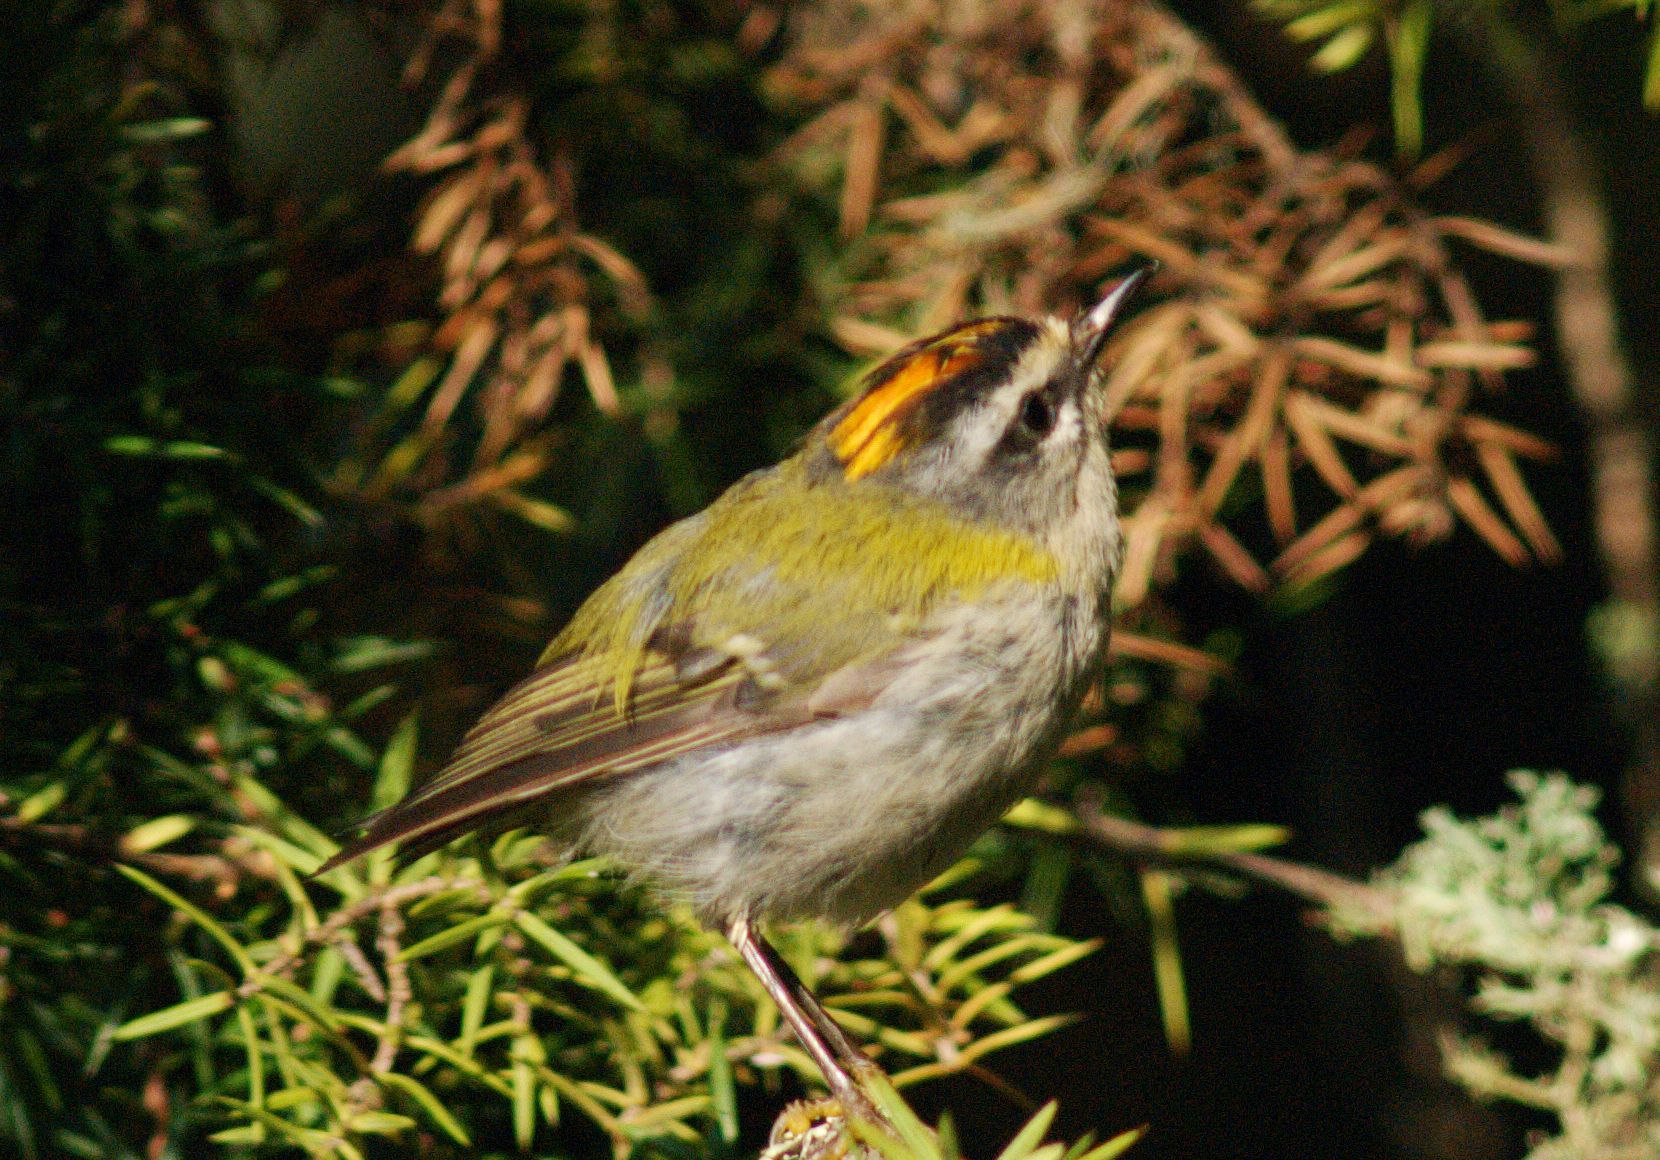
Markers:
867,437
883,444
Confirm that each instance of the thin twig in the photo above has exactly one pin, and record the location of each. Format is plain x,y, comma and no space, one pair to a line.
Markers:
361,966
331,929
398,990
1139,841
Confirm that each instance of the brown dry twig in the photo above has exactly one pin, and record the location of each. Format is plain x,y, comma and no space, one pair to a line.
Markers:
516,273
1002,156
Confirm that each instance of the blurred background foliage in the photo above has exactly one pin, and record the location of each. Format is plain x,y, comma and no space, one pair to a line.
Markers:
345,347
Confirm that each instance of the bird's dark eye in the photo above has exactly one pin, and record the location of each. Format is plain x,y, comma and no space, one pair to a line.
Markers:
1037,415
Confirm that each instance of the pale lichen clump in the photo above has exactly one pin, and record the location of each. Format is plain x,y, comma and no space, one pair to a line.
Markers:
1519,902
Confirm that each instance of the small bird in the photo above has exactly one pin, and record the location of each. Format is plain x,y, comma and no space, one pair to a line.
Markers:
808,699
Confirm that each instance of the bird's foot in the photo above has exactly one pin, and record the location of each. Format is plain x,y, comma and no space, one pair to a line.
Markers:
818,1129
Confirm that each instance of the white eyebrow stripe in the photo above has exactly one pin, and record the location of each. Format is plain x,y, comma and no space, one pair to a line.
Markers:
1035,366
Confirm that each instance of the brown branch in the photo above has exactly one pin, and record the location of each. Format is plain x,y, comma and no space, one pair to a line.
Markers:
1141,842
398,989
361,966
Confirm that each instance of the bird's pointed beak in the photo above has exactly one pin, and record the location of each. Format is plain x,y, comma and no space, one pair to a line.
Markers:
1089,332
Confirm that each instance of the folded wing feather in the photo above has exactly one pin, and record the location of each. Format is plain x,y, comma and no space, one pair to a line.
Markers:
560,727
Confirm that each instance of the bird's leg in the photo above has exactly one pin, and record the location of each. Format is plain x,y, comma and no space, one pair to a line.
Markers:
820,1035
845,1050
